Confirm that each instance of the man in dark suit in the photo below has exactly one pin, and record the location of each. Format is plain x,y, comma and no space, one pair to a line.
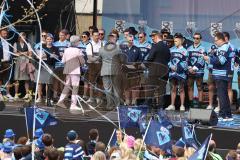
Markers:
159,52
5,59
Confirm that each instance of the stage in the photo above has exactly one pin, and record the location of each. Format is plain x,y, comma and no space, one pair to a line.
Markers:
226,134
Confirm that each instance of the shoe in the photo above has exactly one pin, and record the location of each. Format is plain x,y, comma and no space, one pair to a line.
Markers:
39,100
182,108
170,108
90,100
62,105
85,98
10,98
99,101
16,97
209,107
1,98
217,109
26,96
75,108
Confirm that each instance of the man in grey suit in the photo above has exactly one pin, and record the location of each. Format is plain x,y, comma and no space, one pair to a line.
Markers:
112,58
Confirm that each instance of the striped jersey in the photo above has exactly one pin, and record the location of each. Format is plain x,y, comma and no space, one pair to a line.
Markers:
179,60
221,63
73,152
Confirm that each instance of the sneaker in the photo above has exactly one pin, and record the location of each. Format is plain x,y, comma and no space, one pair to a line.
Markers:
99,101
62,105
182,108
209,107
1,98
85,98
227,119
39,100
170,108
10,98
90,100
217,109
75,108
26,96
16,97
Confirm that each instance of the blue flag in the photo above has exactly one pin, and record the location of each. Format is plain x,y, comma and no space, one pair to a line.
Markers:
201,153
143,123
164,120
187,135
129,116
158,136
42,118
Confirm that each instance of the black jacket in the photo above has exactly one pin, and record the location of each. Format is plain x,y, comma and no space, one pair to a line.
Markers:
159,53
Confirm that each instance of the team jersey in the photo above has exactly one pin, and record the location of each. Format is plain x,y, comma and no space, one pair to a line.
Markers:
196,60
144,50
179,60
61,47
73,152
221,63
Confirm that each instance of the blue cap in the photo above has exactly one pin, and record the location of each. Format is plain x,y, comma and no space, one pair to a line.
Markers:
8,147
9,133
39,143
180,143
72,135
38,133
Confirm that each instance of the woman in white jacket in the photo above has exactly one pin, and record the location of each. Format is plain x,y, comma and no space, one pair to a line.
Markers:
72,59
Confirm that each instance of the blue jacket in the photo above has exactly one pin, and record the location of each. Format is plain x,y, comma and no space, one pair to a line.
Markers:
221,63
133,54
232,56
179,59
196,59
144,50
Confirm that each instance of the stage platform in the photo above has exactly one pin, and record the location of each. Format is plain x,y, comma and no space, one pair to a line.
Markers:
226,134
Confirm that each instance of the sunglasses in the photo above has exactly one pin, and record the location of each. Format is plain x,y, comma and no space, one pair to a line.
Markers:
44,35
84,36
196,38
101,33
140,37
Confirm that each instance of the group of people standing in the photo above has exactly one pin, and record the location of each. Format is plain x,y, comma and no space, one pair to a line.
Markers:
95,58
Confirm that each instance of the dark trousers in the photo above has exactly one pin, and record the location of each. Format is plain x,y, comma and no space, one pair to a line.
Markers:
222,93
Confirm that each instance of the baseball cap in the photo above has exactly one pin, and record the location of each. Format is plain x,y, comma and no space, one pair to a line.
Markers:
9,133
154,32
38,133
178,35
72,135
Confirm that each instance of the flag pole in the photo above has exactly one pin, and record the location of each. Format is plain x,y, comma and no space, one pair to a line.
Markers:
26,122
34,124
110,139
144,137
208,147
119,125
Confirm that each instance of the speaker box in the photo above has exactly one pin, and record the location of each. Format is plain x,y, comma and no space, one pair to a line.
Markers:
202,116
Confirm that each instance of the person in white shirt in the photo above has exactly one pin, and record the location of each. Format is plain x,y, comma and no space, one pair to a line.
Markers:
5,58
94,67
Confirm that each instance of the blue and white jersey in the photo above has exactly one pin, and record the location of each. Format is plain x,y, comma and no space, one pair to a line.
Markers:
179,60
195,60
83,47
61,47
221,63
144,49
232,55
73,152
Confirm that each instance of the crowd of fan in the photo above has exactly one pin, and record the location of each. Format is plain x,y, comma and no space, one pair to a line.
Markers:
124,148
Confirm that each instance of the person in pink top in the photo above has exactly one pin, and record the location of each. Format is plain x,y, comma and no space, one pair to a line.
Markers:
73,60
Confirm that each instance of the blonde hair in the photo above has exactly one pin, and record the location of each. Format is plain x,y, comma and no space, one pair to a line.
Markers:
189,151
99,155
137,144
125,151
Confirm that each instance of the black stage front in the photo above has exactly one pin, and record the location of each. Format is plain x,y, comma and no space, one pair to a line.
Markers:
11,117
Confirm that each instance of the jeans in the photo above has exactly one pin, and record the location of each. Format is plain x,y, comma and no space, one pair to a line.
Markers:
222,93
